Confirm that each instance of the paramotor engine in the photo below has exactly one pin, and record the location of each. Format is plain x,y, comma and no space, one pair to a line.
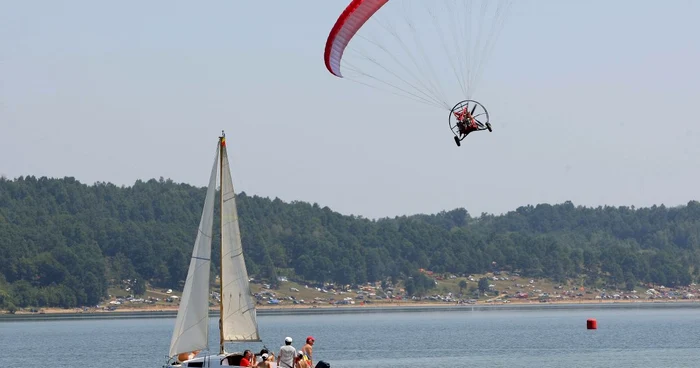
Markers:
428,51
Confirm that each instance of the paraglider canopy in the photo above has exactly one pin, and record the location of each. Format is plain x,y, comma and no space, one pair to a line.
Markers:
431,51
349,22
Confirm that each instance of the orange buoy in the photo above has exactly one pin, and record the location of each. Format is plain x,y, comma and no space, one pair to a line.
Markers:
592,324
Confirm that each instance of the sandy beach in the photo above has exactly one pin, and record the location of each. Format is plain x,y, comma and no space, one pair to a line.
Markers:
170,311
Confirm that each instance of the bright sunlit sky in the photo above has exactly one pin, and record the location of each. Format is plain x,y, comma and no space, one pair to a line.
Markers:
594,102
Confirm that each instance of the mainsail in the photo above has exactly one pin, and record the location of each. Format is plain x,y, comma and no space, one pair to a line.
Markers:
239,321
192,323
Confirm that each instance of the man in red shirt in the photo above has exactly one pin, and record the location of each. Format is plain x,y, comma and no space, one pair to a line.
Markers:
245,361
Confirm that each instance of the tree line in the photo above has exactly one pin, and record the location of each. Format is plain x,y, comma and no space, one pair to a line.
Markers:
63,243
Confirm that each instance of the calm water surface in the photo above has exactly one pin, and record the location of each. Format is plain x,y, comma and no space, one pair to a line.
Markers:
540,338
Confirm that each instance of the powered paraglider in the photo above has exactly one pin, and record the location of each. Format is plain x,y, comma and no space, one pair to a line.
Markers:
465,119
427,51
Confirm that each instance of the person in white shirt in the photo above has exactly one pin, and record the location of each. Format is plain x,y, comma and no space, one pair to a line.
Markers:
285,359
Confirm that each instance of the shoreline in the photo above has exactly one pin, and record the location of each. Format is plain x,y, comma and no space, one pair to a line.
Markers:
171,312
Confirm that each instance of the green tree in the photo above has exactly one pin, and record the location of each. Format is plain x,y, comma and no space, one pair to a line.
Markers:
139,287
462,286
63,242
483,284
410,287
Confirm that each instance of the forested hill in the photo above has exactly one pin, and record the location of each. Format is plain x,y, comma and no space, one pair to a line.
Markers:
63,242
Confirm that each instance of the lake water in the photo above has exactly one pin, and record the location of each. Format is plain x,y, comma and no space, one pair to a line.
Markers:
657,337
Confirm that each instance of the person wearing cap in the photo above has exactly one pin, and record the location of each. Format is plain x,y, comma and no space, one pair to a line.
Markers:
300,361
308,350
264,358
265,362
285,359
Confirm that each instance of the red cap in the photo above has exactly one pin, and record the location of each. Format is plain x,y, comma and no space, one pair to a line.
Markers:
310,338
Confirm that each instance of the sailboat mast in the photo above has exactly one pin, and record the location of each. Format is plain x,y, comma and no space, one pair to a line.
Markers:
222,144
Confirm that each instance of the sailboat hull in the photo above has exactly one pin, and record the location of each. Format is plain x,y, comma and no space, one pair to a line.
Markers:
219,360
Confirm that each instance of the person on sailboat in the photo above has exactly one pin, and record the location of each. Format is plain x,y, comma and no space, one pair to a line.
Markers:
300,362
265,355
308,350
246,360
285,358
187,356
266,360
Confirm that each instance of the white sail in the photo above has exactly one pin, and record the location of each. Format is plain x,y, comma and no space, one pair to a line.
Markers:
239,321
192,324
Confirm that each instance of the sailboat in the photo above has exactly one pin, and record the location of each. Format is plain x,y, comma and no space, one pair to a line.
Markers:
238,320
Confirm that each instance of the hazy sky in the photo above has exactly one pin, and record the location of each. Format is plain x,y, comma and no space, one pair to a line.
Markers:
595,102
